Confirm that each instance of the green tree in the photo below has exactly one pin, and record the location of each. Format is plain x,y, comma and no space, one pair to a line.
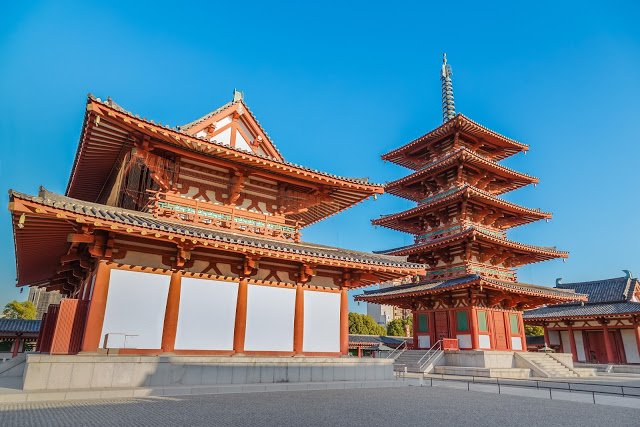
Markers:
397,327
19,310
364,325
533,330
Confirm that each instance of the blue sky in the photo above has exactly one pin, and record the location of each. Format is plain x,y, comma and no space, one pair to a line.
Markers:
338,84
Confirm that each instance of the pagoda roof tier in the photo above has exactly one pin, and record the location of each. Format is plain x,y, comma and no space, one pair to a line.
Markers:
42,224
462,156
519,215
532,252
501,146
403,294
109,132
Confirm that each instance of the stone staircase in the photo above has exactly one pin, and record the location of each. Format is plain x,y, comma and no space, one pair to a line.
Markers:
547,366
410,359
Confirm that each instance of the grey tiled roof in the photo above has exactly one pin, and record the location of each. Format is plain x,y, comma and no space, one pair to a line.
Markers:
605,297
146,220
382,339
608,290
19,326
431,285
576,310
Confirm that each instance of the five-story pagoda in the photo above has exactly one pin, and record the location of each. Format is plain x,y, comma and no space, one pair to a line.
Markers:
470,291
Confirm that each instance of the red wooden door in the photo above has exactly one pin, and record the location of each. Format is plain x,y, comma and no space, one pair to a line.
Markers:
442,325
596,351
499,331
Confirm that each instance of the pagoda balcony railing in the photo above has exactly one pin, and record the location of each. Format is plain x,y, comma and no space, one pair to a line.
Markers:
229,218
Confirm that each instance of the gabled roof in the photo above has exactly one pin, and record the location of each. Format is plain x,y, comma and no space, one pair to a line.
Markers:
426,287
606,297
106,137
42,239
463,124
235,107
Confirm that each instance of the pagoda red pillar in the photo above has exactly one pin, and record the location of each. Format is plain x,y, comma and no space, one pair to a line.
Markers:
636,330
298,321
171,313
344,321
415,328
97,307
474,329
572,343
608,345
241,317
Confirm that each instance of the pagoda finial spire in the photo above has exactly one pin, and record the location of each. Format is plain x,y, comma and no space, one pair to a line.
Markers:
448,106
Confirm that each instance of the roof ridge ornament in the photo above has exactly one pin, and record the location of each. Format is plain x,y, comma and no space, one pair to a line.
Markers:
558,281
237,95
629,274
448,105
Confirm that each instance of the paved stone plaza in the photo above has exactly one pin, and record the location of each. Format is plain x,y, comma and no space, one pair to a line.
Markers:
406,406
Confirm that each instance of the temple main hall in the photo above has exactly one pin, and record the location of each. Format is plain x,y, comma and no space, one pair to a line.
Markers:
187,241
471,293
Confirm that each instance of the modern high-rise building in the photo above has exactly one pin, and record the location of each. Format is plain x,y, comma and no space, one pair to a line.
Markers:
41,298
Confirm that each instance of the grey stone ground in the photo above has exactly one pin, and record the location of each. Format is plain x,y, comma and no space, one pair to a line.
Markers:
409,406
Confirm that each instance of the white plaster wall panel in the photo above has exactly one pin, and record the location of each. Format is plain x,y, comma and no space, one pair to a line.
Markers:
201,134
242,143
270,312
484,341
464,341
516,343
630,345
246,130
554,338
321,331
424,341
223,137
136,303
206,318
566,344
222,122
577,335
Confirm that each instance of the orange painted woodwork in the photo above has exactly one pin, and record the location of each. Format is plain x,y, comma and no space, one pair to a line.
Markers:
241,317
572,344
298,321
499,330
450,344
344,321
607,346
441,325
474,328
97,307
69,327
171,313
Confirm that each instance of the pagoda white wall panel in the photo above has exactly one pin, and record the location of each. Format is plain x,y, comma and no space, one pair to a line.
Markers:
206,317
270,312
566,344
242,143
136,303
516,343
464,341
424,341
223,137
484,341
579,346
321,322
630,345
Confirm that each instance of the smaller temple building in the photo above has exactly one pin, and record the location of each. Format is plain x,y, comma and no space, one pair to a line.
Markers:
605,329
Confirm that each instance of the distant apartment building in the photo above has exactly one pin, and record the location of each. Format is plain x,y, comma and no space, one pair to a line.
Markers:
383,314
42,299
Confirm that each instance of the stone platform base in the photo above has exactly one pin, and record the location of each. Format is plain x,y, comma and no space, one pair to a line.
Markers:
48,372
514,373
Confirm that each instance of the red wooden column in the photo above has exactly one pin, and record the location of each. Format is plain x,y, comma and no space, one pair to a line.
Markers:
171,313
474,328
415,328
636,330
572,343
241,317
15,347
522,332
546,335
608,345
344,321
298,321
97,306
507,328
